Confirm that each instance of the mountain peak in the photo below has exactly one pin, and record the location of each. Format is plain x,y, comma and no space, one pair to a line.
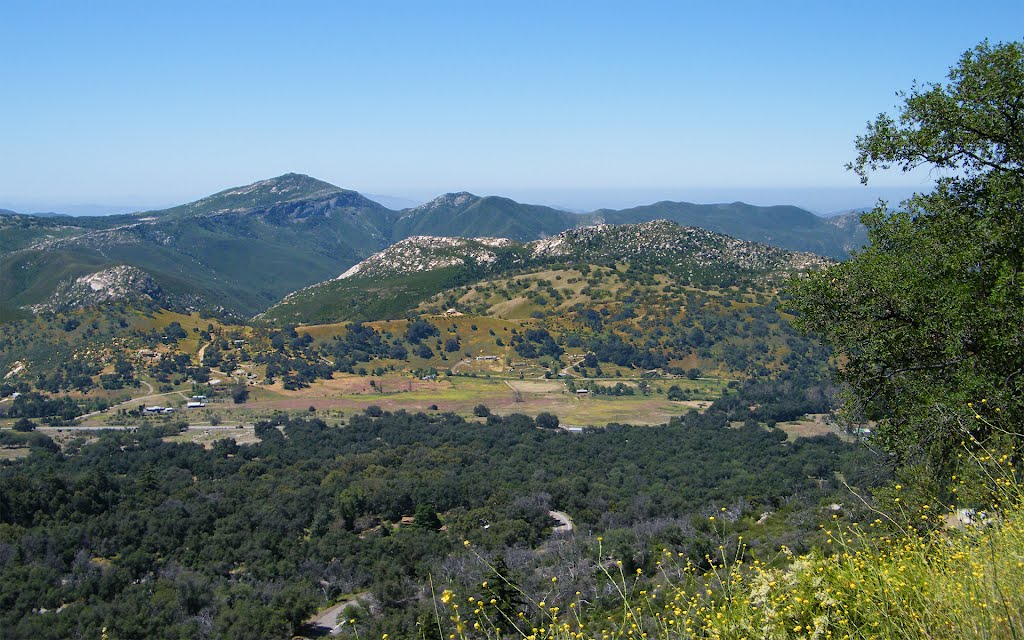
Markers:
289,186
458,199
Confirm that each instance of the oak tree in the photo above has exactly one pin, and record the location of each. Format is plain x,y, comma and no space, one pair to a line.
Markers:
929,319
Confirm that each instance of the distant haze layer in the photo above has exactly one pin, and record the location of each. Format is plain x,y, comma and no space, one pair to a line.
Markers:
821,200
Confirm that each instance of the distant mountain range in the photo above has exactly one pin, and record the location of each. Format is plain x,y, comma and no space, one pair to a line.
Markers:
243,249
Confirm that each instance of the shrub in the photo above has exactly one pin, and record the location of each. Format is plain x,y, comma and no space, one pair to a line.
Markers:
547,420
24,425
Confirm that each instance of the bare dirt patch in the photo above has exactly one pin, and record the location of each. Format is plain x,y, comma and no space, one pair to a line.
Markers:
812,425
206,437
699,405
537,386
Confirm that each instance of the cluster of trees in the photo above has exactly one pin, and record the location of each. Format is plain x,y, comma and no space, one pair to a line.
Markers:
123,375
419,330
789,396
361,343
73,375
157,539
535,343
54,410
295,372
177,364
11,388
618,389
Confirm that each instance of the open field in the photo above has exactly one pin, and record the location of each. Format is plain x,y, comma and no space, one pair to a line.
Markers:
460,395
811,425
501,392
13,453
488,382
390,392
206,437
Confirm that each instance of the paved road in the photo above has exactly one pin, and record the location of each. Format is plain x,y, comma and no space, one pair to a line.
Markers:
565,522
328,618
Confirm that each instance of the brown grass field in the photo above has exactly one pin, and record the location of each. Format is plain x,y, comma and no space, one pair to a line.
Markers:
461,395
13,453
811,425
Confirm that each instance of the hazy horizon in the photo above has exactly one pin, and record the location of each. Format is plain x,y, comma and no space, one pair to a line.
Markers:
819,200
139,105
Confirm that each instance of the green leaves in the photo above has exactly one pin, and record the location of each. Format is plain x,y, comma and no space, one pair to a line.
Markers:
930,316
972,125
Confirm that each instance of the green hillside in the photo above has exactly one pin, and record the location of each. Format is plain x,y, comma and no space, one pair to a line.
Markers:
787,227
242,249
781,226
397,280
237,251
18,231
466,215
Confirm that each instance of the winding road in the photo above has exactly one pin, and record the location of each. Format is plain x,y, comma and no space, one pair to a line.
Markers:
565,522
328,618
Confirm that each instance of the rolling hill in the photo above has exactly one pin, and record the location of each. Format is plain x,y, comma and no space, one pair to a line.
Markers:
784,226
396,280
469,216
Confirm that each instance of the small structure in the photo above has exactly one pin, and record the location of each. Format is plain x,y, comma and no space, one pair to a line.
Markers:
195,404
582,392
199,398
153,409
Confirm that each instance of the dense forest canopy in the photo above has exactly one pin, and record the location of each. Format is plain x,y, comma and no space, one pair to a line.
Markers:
156,539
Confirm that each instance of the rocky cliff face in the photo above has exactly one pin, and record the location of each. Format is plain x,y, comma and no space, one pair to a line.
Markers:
666,242
426,253
120,283
660,241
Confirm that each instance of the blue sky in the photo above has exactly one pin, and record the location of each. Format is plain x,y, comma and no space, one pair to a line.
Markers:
577,104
